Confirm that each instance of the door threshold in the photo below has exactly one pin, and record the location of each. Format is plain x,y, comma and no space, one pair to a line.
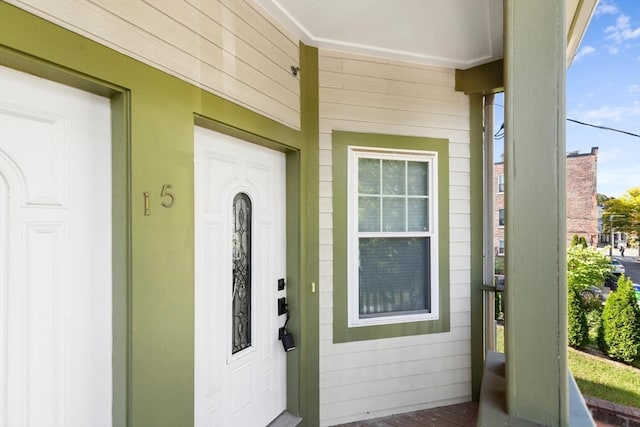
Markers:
285,419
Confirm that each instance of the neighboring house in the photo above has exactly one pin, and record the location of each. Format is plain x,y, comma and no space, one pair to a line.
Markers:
604,238
171,171
582,209
582,204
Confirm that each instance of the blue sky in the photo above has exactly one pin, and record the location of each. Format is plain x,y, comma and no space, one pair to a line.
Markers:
603,88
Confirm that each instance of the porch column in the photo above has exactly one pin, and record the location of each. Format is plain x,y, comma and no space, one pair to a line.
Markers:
536,291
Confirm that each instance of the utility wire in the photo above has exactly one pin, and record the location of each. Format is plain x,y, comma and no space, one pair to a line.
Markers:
604,127
500,133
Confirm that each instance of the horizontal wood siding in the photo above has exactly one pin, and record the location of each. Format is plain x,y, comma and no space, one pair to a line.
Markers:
366,379
228,47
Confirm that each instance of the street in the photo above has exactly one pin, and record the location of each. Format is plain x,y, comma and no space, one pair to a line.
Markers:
631,266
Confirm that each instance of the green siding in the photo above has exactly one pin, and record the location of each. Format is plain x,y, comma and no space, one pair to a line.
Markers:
153,116
341,140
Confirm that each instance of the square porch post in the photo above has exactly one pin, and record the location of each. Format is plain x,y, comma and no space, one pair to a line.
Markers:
536,294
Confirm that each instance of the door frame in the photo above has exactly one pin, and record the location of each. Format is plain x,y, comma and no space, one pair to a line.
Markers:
121,242
293,200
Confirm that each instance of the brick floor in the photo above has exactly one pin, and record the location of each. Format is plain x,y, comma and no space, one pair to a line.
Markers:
460,415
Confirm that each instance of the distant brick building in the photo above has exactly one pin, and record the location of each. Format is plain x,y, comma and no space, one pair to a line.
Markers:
582,209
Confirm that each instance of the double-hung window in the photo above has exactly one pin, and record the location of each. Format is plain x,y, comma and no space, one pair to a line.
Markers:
392,236
501,247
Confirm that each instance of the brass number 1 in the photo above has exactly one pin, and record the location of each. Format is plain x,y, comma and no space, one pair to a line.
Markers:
167,193
146,203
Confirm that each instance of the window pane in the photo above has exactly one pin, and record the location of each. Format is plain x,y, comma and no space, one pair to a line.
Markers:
393,275
241,279
418,178
369,176
418,215
393,214
393,174
501,217
369,213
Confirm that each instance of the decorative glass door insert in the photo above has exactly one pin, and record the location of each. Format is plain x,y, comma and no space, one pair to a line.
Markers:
241,278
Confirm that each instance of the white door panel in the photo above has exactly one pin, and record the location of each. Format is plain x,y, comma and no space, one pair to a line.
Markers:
55,254
245,387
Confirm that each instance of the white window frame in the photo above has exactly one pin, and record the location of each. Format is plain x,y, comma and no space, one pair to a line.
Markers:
503,218
500,183
501,247
355,153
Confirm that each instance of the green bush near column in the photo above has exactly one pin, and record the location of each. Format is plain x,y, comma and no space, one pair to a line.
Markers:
619,333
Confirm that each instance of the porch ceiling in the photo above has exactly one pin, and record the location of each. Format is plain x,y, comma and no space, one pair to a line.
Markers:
447,33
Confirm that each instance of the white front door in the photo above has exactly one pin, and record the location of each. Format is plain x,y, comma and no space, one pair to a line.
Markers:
55,254
240,369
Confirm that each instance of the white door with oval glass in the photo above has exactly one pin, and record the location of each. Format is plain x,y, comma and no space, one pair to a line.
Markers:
240,364
55,254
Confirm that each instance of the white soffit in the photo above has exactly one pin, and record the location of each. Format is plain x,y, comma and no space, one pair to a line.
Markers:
447,33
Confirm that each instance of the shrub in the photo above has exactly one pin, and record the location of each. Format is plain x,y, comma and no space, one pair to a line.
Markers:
619,333
586,267
579,241
578,328
574,240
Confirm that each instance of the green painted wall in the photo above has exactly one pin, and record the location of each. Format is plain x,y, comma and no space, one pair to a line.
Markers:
153,120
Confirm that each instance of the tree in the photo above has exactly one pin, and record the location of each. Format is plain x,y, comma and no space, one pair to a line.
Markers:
623,212
601,199
619,333
586,267
578,328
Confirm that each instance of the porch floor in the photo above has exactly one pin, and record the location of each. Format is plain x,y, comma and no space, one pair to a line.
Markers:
462,415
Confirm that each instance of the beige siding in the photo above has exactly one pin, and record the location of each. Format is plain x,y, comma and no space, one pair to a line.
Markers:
227,47
366,379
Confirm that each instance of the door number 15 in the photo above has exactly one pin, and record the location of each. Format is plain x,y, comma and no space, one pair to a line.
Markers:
166,195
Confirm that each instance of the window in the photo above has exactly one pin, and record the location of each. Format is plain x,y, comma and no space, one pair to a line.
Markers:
501,183
392,227
433,315
501,217
241,280
501,247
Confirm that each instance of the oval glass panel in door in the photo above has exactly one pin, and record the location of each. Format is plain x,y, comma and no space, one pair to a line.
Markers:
241,291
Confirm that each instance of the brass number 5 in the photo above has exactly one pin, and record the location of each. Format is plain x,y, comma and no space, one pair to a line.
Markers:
166,192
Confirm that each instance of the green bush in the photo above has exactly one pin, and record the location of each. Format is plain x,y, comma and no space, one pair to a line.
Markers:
498,267
578,327
619,332
574,240
586,267
579,241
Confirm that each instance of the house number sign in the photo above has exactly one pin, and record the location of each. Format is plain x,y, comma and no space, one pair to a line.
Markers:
167,198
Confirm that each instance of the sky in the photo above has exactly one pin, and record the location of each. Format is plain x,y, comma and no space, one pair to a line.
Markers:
603,89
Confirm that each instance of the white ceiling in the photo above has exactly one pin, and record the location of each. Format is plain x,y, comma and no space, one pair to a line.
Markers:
411,30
